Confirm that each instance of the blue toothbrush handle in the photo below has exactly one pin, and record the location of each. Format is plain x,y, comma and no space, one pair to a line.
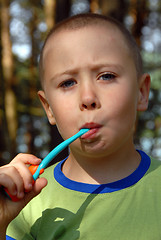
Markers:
57,150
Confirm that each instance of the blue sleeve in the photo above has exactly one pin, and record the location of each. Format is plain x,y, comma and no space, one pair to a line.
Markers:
9,238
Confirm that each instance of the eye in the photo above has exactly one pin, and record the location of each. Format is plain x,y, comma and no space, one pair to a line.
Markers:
68,83
106,76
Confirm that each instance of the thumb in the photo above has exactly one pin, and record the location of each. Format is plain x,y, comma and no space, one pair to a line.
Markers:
39,184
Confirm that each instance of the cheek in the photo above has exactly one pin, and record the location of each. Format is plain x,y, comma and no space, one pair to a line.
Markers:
64,113
123,107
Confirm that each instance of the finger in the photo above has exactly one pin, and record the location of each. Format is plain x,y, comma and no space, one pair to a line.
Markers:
27,159
12,180
20,164
25,174
7,182
40,183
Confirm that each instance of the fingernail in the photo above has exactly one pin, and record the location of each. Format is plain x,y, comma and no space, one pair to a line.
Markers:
21,195
39,159
29,186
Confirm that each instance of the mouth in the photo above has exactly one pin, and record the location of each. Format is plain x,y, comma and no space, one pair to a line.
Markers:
94,128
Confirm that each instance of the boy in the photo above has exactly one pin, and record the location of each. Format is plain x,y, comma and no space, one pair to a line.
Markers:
91,75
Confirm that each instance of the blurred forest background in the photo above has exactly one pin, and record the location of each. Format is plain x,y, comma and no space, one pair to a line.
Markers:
24,25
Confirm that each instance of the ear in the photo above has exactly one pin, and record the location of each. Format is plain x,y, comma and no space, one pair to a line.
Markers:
144,88
46,107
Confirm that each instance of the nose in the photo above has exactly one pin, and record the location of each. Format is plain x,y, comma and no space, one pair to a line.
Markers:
89,99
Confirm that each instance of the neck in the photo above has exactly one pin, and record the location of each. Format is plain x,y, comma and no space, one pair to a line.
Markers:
105,169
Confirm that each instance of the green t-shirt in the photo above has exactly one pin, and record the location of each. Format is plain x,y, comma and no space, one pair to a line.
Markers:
128,209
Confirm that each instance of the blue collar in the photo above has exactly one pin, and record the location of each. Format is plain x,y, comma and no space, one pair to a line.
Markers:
104,188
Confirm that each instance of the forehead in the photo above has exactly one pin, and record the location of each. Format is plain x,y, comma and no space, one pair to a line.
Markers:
106,31
98,36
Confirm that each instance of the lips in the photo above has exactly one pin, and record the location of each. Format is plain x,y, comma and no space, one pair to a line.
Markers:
94,127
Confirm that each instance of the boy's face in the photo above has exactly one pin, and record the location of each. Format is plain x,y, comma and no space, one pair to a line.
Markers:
90,80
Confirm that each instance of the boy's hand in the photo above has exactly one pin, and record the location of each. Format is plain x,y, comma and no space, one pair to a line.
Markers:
17,178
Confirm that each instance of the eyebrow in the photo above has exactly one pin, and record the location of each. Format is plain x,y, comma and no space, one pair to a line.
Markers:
93,67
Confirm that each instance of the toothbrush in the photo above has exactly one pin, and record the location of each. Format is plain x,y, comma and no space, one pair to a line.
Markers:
36,170
56,151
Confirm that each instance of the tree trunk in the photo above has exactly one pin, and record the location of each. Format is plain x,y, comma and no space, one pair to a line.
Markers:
7,71
138,15
62,10
49,9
